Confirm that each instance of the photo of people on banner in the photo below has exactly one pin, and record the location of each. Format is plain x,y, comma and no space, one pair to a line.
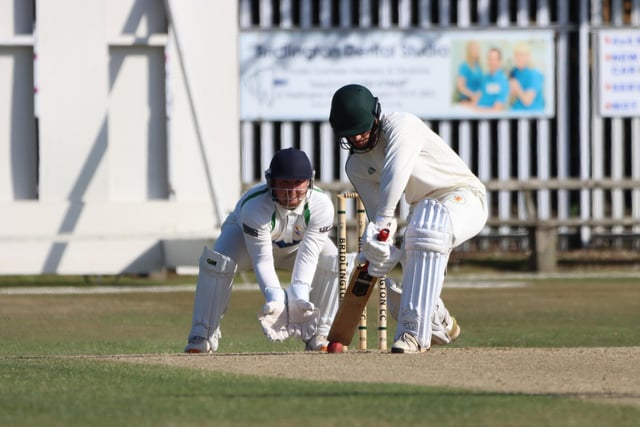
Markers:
499,75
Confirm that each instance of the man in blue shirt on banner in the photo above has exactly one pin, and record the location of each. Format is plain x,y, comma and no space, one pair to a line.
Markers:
525,82
495,86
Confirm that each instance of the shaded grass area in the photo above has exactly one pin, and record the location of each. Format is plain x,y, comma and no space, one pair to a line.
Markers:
80,392
40,390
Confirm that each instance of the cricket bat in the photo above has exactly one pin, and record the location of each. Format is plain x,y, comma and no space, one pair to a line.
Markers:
355,299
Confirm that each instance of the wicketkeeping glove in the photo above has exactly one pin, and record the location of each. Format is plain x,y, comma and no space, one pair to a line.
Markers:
303,315
303,319
274,321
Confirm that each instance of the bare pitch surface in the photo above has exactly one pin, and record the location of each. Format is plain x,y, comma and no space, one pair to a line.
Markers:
610,374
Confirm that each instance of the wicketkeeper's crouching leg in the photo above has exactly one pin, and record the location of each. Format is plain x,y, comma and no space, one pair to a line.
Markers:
213,290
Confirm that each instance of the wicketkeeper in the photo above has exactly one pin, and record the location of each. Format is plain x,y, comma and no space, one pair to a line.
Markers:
282,224
395,154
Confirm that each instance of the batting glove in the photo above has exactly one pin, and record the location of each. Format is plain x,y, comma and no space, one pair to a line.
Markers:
374,250
389,223
383,268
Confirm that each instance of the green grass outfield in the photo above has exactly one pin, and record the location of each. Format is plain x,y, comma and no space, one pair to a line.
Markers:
43,381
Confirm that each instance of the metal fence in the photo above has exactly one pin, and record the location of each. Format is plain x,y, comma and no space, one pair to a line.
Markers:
576,169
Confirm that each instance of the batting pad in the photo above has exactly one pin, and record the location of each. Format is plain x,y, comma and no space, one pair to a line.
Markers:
439,319
427,246
394,294
325,289
213,290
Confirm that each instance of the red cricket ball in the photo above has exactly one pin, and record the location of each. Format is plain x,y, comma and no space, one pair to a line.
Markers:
334,347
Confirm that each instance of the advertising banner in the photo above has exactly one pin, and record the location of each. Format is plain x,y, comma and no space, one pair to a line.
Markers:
619,72
291,75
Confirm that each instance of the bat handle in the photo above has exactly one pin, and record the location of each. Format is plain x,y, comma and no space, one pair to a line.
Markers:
383,235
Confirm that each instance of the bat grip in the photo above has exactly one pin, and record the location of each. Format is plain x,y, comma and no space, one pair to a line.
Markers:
383,235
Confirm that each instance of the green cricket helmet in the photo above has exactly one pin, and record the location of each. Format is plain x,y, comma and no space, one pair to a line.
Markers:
354,110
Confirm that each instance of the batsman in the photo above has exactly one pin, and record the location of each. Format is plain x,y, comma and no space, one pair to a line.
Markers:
397,154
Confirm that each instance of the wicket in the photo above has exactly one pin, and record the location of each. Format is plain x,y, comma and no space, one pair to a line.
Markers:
361,223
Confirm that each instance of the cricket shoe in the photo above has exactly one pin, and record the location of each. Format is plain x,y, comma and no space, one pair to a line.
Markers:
443,333
198,345
453,329
407,343
439,333
317,343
